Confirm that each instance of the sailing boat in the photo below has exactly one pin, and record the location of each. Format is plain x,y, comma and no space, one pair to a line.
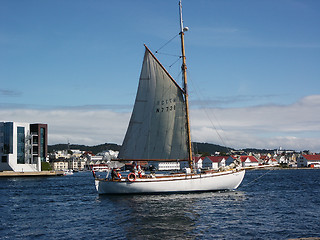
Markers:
159,130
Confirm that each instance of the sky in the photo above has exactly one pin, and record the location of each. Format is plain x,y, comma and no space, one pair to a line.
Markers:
253,67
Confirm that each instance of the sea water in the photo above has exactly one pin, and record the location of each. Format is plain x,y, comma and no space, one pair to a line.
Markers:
269,204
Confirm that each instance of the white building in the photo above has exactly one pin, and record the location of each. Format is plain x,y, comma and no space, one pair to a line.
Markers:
22,146
308,160
246,160
271,161
60,165
165,166
213,162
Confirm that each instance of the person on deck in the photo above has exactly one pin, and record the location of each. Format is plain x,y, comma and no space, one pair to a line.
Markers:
115,175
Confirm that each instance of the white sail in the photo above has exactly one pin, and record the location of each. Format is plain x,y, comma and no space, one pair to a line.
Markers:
157,128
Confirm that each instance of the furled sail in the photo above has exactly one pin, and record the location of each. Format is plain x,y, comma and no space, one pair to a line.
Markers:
157,128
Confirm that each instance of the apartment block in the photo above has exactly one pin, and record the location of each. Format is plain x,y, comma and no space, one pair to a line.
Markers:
22,146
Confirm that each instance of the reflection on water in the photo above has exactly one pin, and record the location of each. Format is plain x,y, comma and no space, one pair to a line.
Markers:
163,215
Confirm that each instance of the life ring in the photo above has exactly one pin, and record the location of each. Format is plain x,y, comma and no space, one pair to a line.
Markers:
132,179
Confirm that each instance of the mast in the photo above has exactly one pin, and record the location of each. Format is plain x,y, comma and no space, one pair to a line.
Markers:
184,74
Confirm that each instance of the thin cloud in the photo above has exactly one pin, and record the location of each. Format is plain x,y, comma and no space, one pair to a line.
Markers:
295,126
225,101
9,93
114,107
89,127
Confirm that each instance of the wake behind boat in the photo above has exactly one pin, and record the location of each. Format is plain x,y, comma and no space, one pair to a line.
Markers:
159,130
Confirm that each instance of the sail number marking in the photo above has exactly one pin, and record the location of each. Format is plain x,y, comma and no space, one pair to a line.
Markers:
166,105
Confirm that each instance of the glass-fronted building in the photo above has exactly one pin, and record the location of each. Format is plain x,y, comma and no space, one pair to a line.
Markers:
22,146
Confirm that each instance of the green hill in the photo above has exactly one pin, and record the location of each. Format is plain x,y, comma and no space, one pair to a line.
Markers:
93,149
201,148
209,148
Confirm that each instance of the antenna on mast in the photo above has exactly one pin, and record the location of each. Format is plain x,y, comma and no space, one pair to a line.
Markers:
182,29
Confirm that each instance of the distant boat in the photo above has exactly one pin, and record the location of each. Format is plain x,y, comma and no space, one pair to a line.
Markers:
68,172
159,130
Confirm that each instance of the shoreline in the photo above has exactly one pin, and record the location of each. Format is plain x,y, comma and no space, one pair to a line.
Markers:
279,168
31,174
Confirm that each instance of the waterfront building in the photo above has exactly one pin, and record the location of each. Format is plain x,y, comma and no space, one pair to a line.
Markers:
197,162
213,162
308,160
77,164
246,161
271,161
284,159
165,166
249,161
184,165
60,164
23,146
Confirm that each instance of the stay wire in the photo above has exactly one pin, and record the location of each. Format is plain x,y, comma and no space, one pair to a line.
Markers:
256,179
166,43
207,114
174,62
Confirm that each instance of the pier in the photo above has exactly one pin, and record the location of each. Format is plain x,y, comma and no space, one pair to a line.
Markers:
31,174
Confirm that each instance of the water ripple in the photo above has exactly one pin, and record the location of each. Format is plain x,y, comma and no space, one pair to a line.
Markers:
280,205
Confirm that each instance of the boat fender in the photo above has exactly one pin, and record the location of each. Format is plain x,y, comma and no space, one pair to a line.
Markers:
132,177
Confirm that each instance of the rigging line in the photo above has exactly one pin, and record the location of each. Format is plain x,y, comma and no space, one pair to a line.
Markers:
207,114
167,42
254,180
178,74
174,62
216,119
226,137
169,66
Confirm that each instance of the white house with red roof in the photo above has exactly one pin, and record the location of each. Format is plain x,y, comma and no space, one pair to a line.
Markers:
271,161
308,160
198,162
213,162
247,161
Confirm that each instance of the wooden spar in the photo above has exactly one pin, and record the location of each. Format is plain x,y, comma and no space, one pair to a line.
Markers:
184,71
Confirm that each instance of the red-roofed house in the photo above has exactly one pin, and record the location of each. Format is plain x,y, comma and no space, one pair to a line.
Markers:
247,161
213,162
271,161
306,160
196,160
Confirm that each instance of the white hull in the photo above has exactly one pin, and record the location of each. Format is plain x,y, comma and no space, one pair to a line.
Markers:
227,180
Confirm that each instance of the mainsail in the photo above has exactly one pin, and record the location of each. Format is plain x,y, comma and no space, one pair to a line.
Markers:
157,128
